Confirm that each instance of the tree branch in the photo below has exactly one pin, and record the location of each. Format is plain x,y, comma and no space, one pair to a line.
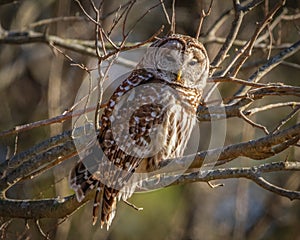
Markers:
64,206
61,147
258,149
252,173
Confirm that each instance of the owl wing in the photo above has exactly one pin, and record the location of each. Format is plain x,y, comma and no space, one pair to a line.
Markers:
119,133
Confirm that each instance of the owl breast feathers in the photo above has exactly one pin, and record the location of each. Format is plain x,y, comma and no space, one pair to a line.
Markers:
149,117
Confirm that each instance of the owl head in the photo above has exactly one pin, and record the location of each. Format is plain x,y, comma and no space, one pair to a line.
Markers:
178,59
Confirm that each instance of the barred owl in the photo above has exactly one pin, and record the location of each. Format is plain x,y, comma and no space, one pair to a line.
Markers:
149,117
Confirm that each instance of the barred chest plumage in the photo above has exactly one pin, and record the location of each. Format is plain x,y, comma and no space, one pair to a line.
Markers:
152,121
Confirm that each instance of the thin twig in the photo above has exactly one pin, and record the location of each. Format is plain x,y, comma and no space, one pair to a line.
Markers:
55,20
58,119
73,63
215,26
286,119
173,25
133,206
165,11
37,223
252,111
235,26
253,123
138,21
293,65
203,15
237,80
269,65
291,17
117,18
245,52
222,54
215,185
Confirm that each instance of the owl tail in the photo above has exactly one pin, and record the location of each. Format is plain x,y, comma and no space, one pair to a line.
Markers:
105,202
81,180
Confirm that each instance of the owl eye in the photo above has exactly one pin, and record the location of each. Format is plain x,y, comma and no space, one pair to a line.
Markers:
169,58
193,62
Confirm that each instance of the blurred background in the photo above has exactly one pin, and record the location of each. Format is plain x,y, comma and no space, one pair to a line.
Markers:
37,82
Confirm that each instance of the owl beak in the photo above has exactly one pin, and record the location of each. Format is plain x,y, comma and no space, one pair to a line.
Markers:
179,74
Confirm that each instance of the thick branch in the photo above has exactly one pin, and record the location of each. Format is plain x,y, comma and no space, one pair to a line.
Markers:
28,162
258,149
62,207
252,173
233,109
25,37
45,208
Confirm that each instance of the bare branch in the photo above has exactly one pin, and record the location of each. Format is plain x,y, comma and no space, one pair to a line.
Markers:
272,106
222,54
24,37
165,12
287,118
242,102
64,206
203,14
253,123
258,149
270,64
26,163
47,208
58,119
252,173
56,20
245,52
